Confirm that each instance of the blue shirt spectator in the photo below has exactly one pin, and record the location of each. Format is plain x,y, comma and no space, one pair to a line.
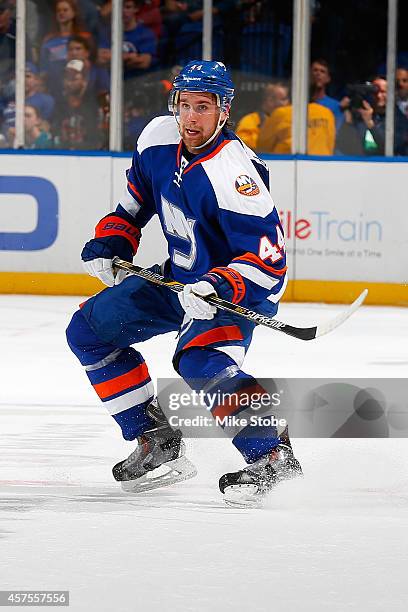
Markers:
139,43
98,77
54,50
319,80
33,94
335,107
140,40
34,97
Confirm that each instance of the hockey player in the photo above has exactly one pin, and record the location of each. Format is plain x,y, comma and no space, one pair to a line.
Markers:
224,236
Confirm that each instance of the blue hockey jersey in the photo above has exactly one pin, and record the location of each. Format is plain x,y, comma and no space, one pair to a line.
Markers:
215,210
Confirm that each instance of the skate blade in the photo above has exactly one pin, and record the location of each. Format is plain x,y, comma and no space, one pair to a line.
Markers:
178,470
248,496
243,496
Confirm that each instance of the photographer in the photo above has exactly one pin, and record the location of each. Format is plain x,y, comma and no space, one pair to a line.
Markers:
363,130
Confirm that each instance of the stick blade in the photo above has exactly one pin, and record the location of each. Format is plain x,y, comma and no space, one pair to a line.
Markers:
328,326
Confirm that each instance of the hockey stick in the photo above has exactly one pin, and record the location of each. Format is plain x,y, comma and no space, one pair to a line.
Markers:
303,333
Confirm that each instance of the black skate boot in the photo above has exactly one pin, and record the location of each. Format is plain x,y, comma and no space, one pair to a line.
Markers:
158,460
247,488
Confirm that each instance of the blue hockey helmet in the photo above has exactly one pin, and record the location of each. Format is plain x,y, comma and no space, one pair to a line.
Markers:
204,75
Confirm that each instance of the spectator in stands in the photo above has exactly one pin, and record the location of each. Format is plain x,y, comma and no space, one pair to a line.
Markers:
89,11
363,131
8,115
8,53
98,77
54,49
274,95
168,79
34,96
104,35
139,43
7,39
76,115
103,119
33,27
37,135
140,47
319,80
104,20
149,14
401,76
137,116
184,24
264,42
276,133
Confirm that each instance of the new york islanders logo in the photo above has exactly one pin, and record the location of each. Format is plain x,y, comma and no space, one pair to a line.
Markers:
245,185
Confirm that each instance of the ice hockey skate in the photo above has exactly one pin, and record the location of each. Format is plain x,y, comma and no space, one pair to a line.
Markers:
158,460
248,487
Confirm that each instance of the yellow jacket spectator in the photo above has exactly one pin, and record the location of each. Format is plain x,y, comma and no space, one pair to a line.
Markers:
248,128
276,133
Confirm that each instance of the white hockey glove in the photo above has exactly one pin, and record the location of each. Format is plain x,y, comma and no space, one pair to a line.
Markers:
193,305
102,269
115,236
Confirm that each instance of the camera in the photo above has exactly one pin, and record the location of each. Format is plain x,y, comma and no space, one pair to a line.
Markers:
358,92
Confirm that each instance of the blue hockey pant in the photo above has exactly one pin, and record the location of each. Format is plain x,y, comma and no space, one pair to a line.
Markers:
208,355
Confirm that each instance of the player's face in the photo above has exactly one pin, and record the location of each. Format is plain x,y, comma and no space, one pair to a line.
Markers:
198,116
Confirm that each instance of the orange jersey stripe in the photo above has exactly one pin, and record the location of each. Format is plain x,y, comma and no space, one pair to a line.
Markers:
135,191
178,155
123,382
234,403
219,334
254,259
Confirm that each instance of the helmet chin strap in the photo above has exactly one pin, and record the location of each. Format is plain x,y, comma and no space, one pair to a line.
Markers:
217,130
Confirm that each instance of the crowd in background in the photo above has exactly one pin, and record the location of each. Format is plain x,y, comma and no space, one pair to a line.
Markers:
353,125
67,78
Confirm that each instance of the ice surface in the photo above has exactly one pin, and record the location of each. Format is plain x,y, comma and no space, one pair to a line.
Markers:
336,541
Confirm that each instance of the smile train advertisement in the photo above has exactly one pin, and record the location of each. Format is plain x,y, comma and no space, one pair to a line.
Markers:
348,223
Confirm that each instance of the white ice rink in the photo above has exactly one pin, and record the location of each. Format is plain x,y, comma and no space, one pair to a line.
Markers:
337,541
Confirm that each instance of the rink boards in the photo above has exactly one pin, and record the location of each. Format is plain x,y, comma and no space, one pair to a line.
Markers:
345,222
